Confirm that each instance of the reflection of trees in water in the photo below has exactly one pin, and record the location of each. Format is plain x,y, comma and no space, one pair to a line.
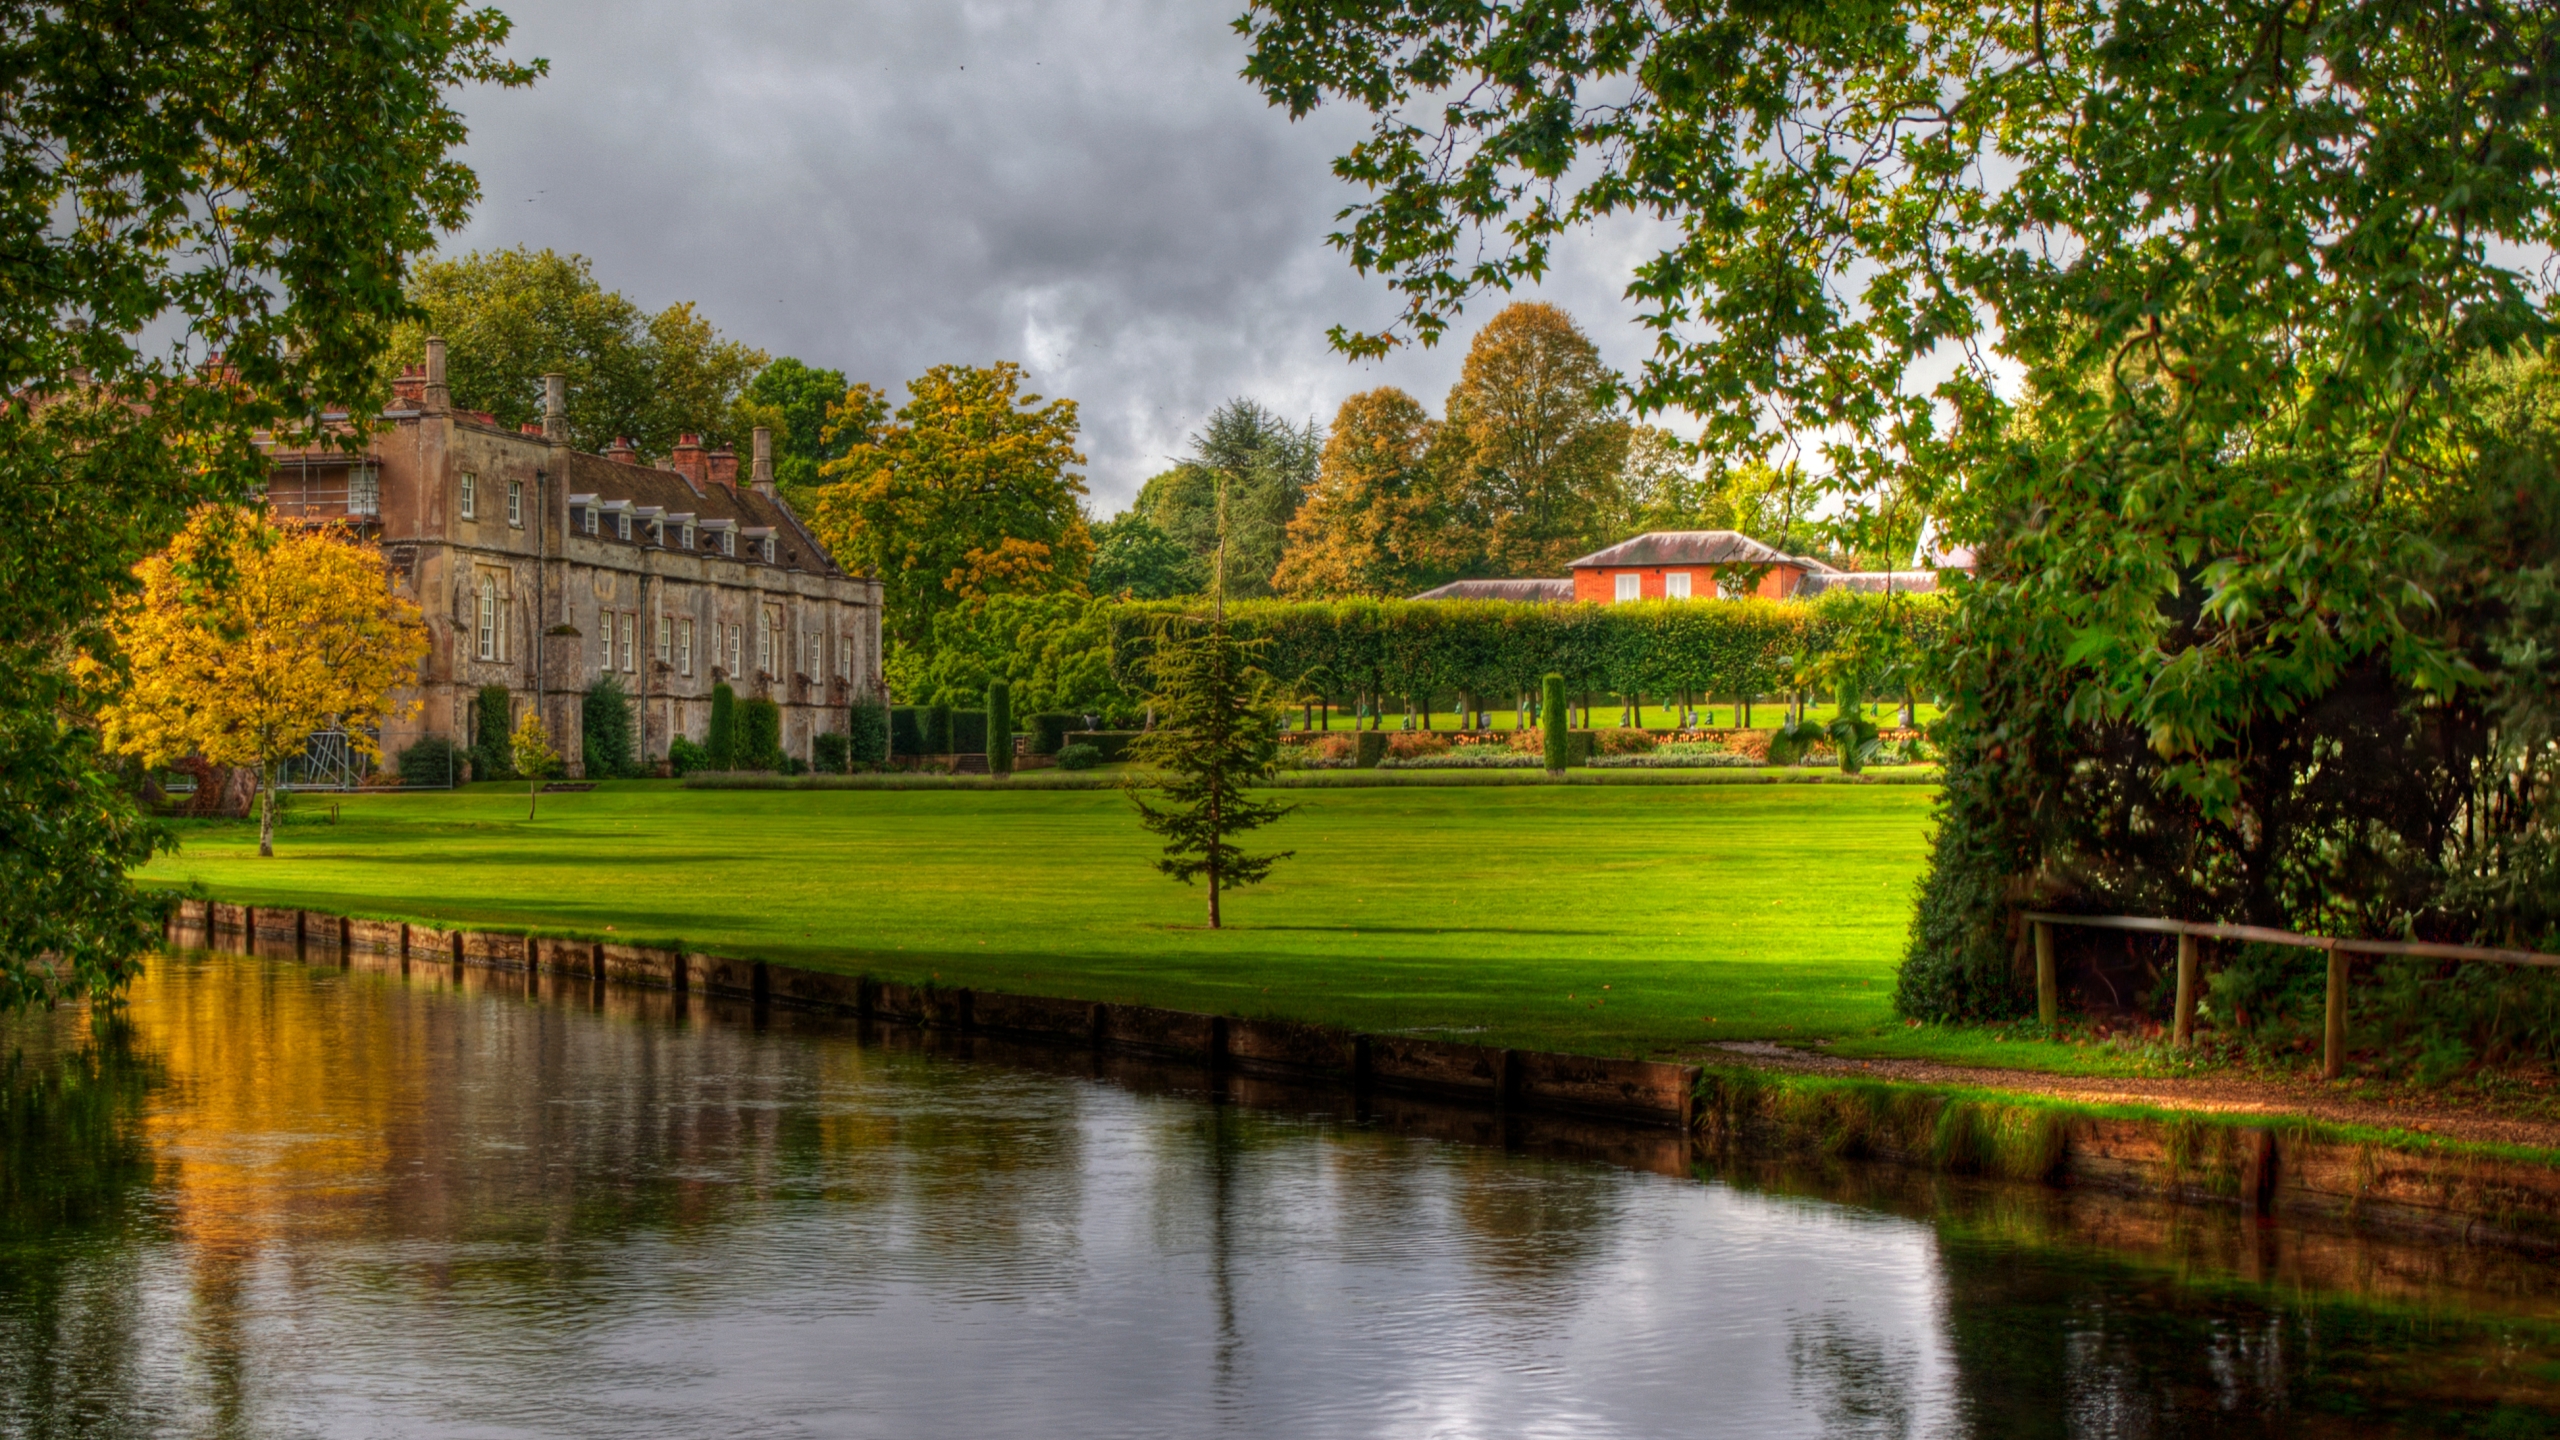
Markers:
1532,1225
74,1170
1858,1384
2049,1343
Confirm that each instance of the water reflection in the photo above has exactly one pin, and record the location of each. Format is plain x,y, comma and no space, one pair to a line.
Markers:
278,1200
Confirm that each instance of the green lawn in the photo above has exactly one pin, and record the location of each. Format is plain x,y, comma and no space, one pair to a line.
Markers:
1606,712
1615,920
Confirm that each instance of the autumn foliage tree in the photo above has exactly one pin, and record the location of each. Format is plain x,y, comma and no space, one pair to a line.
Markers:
969,491
1533,444
1377,521
246,639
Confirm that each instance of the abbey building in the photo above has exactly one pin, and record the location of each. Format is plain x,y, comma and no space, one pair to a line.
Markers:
541,569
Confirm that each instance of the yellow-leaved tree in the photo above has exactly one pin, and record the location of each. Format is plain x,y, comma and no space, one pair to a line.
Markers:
248,638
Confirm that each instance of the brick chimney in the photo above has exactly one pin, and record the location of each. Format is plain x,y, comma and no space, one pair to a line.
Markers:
530,427
687,461
436,397
724,468
622,451
762,476
409,392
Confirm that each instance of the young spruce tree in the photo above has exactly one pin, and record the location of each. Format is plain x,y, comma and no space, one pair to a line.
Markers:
1217,730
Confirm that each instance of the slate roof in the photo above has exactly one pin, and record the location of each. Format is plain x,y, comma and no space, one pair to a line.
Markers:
1541,592
611,480
1691,547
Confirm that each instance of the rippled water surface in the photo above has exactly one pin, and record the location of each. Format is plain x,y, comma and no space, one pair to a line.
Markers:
279,1200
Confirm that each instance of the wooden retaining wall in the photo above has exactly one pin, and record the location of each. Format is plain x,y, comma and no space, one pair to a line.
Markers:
1642,1091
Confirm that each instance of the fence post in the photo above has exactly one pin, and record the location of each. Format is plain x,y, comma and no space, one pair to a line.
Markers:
2333,1050
2048,985
2185,1034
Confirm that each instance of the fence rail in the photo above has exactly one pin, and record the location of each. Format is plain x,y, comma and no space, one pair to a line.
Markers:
2333,1053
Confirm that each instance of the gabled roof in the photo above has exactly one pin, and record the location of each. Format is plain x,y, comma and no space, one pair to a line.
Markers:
1542,592
1689,547
613,481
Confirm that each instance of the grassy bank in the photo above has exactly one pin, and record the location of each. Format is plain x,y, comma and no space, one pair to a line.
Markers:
1112,777
1626,920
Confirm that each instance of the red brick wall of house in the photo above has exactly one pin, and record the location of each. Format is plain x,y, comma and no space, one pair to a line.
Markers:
1599,585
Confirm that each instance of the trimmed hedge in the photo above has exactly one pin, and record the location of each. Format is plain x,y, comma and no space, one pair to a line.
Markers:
868,734
760,735
906,730
937,730
720,742
968,733
829,751
1109,745
1371,749
1048,730
999,744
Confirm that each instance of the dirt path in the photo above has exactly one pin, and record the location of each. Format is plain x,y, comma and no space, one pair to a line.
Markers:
2223,1093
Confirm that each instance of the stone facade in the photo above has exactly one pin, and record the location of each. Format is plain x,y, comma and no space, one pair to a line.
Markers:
540,568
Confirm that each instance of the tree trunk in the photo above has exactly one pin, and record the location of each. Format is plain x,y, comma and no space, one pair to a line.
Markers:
532,797
267,816
1215,834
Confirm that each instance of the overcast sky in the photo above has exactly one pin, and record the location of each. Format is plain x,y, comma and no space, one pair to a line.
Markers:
1087,188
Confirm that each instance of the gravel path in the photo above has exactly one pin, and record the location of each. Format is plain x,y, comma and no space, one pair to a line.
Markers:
2224,1093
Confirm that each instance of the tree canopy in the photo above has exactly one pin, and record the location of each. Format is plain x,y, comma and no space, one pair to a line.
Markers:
1266,464
796,397
187,183
509,317
970,491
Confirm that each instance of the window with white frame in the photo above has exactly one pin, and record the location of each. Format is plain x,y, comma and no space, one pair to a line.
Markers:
768,549
630,652
688,534
844,657
764,647
621,524
470,496
684,647
1675,585
515,503
728,542
666,638
589,520
604,633
485,619
737,637
813,657
1630,587
364,492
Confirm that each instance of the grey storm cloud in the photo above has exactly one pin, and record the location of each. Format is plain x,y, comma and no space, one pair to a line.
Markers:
1087,188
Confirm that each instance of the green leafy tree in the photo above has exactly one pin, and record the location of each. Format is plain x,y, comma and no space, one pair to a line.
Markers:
530,748
1216,734
2169,311
509,317
798,396
1262,466
1532,445
1134,558
207,191
971,491
720,741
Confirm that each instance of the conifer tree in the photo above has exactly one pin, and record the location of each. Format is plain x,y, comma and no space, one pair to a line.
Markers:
1216,732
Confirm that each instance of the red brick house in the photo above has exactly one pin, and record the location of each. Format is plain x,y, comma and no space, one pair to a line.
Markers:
1689,565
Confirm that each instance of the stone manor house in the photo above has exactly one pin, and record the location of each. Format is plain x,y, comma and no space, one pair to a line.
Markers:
540,569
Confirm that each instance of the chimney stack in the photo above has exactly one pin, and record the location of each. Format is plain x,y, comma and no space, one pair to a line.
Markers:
762,476
724,468
555,407
409,392
622,451
687,461
436,397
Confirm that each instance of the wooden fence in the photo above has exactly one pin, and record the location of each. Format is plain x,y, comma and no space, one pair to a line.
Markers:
2333,1052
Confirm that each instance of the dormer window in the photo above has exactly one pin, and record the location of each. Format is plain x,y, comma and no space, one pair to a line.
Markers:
768,549
688,534
589,515
728,542
621,524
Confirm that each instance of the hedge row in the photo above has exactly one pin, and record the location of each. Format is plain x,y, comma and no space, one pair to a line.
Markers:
1504,648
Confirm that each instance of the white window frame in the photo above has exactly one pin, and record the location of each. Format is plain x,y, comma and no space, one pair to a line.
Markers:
485,626
1675,585
684,647
764,647
604,627
768,549
630,652
515,504
688,534
666,638
844,657
470,496
589,522
364,492
737,642
1630,586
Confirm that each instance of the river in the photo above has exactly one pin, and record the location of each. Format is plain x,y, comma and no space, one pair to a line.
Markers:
269,1199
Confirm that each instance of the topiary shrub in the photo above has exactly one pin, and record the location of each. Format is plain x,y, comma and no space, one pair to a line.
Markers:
1000,728
604,731
493,736
868,735
906,730
435,760
760,735
684,757
1372,749
1049,729
1079,756
1110,744
937,730
1553,723
830,752
720,742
